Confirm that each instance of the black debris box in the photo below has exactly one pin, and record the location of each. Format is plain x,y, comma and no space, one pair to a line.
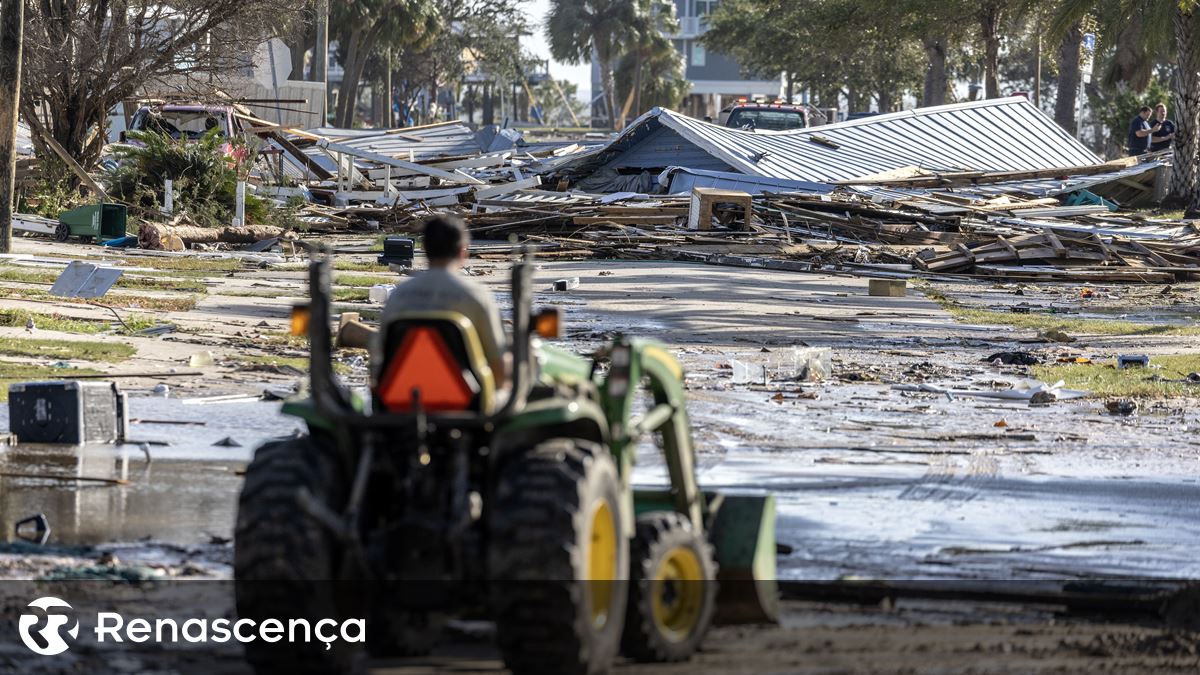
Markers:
397,251
69,412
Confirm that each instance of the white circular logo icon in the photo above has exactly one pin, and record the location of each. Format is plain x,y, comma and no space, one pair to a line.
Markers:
42,631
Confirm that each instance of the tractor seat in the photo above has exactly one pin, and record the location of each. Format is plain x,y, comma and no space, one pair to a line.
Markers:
439,355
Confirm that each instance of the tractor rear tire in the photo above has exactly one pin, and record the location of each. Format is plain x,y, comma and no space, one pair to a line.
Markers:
672,590
559,560
286,564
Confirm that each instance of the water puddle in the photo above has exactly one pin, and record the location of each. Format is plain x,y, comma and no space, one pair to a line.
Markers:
185,494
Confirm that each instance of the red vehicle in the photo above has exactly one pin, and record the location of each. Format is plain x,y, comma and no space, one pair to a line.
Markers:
762,116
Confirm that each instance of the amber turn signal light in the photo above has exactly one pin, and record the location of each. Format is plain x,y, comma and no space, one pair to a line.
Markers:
547,323
300,316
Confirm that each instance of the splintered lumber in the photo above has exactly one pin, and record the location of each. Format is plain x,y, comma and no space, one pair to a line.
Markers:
316,169
626,220
153,236
931,179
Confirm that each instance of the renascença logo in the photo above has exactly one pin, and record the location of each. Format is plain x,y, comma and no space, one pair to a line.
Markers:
42,630
47,639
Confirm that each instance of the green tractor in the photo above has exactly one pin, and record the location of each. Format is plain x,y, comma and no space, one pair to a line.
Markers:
437,500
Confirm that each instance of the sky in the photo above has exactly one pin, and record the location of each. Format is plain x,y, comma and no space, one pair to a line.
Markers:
580,75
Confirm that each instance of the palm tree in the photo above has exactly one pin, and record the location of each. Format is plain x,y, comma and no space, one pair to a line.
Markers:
361,26
650,73
576,28
1156,21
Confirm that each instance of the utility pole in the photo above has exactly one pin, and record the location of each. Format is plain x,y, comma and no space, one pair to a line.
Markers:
321,55
12,20
387,92
1037,73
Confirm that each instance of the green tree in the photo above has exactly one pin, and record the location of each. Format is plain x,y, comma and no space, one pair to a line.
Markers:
849,46
362,26
575,28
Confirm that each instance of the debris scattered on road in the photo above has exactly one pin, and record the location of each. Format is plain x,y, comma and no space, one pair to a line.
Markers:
1132,361
1123,406
1013,359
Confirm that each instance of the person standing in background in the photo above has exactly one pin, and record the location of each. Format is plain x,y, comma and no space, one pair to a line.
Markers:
1161,139
1140,131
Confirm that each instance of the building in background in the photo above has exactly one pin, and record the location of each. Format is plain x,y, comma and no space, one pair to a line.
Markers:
717,80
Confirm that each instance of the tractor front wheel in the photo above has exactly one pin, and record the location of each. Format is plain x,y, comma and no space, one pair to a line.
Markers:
559,560
672,590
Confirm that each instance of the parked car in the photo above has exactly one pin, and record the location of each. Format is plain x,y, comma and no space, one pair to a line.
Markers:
188,122
761,116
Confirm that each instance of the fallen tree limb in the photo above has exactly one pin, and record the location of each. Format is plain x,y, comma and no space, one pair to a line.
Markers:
153,236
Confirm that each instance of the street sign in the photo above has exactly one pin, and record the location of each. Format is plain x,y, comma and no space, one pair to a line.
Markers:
1089,42
272,63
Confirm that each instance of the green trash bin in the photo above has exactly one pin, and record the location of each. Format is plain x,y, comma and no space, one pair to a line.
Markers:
94,221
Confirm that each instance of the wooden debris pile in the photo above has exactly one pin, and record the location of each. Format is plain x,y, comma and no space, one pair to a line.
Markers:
1009,236
1068,256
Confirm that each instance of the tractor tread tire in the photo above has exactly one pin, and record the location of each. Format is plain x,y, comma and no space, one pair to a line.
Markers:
285,562
543,497
657,533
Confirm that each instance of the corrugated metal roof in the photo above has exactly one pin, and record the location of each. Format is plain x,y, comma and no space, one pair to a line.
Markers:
1008,134
1052,187
448,139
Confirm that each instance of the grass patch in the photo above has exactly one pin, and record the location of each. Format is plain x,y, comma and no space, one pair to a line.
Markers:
162,284
181,303
298,293
363,313
184,264
1045,322
363,279
352,266
21,372
1103,379
66,349
351,294
285,339
65,324
32,276
18,317
298,362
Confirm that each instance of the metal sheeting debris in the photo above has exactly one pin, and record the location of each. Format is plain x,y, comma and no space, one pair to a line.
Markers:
84,280
1008,134
447,139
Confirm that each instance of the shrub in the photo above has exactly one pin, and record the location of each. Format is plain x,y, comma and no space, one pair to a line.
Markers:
205,176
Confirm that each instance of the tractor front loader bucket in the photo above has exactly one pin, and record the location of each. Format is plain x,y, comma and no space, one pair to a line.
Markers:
743,534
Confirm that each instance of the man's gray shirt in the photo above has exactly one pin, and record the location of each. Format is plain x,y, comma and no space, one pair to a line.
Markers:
439,289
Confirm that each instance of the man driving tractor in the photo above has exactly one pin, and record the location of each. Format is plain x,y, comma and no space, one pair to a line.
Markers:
437,500
443,287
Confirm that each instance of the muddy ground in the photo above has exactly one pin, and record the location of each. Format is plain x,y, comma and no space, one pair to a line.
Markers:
872,481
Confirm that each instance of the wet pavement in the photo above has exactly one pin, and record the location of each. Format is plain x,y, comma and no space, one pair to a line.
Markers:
871,482
186,494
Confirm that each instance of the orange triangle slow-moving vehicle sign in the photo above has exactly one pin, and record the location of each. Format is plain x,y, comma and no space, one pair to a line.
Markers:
424,362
